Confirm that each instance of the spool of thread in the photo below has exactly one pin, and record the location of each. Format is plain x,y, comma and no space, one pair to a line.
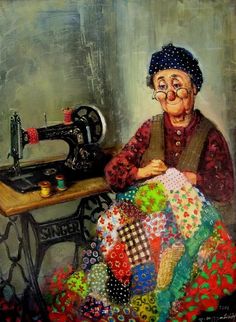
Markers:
46,189
60,182
68,115
33,136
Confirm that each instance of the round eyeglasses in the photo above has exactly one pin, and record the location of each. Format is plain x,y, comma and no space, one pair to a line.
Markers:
180,92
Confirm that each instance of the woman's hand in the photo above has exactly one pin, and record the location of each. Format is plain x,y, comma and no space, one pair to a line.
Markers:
152,169
191,176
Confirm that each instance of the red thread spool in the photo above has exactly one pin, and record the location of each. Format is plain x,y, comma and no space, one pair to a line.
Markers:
33,135
68,115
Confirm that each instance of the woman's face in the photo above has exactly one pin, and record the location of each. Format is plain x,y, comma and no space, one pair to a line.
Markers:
175,92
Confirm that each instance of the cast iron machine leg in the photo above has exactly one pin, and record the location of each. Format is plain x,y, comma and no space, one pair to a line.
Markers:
70,228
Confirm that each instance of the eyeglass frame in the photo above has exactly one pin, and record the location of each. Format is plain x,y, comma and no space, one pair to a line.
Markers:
154,94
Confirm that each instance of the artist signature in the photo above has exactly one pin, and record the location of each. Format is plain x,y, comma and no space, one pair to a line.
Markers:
226,317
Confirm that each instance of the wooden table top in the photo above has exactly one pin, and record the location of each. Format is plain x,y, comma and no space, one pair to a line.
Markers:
14,203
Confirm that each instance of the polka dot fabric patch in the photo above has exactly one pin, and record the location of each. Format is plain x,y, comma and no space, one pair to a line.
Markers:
91,255
128,195
117,292
97,279
172,179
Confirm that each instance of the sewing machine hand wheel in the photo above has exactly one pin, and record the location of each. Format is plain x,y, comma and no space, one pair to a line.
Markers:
94,118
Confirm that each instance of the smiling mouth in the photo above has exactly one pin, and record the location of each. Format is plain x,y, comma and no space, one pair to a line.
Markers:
172,103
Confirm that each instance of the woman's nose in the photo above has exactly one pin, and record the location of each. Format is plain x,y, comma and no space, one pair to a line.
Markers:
171,95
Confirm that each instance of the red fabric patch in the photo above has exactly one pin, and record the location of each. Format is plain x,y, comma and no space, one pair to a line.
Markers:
155,246
119,264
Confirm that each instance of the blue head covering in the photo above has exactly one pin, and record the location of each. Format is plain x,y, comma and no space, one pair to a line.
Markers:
171,57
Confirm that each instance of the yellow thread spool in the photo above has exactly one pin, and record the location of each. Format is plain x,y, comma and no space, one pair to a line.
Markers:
46,190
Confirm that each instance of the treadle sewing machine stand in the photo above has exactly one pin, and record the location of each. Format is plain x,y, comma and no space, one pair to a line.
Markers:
83,129
94,198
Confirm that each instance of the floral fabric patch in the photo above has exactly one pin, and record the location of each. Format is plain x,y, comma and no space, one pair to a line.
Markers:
186,206
154,224
119,263
107,226
93,309
151,197
78,283
131,212
171,233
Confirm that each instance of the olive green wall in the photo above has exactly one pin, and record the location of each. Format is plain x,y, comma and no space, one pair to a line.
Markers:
57,53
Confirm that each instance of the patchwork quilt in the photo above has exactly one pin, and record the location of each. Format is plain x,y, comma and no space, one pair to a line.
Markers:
162,253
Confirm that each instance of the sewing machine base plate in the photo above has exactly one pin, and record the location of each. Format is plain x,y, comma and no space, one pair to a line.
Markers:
30,176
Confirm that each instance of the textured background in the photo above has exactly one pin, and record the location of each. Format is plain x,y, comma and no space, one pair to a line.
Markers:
56,53
59,53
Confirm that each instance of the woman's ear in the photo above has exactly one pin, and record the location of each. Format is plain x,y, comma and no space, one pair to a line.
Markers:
195,90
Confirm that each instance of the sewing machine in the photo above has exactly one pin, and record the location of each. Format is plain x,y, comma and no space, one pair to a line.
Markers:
83,129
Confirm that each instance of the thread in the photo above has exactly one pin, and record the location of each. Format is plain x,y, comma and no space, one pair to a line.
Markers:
60,182
68,115
46,189
33,135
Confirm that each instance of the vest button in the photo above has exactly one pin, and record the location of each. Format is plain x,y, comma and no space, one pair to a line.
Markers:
176,154
179,132
177,143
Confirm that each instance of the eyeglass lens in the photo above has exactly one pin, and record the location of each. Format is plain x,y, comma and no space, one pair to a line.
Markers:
180,92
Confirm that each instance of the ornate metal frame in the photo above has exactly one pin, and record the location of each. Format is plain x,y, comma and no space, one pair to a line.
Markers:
70,228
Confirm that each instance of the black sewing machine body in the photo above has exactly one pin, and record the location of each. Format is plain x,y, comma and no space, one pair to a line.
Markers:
85,158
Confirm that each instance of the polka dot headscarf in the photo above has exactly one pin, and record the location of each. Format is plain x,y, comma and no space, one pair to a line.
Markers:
171,57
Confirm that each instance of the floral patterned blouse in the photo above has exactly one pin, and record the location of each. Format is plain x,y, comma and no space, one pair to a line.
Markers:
215,169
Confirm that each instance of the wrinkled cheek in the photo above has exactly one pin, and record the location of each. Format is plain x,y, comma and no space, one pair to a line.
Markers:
189,105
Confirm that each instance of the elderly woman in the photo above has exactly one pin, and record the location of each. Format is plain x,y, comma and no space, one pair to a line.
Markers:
182,137
162,251
164,242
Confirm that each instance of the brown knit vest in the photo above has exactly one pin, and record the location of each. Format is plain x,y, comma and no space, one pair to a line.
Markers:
190,157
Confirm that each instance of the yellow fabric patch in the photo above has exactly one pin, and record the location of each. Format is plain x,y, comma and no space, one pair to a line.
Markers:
169,259
145,307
